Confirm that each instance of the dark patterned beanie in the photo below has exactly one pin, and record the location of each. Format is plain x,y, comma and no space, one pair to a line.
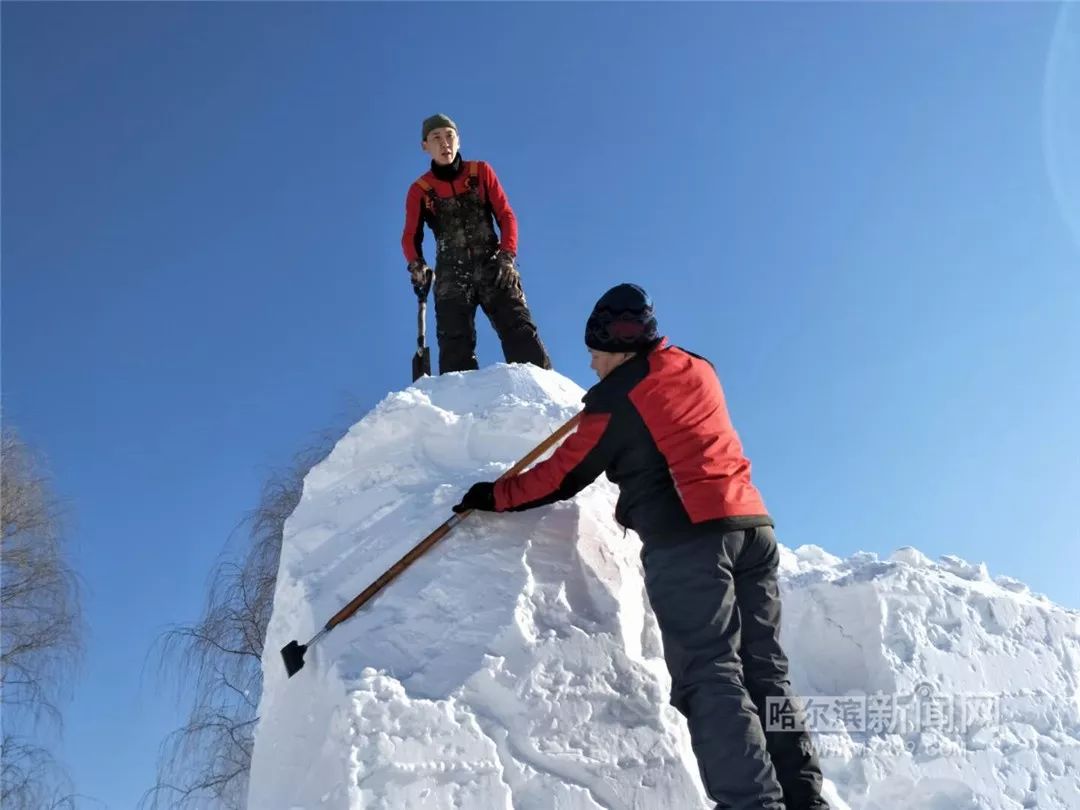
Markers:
622,321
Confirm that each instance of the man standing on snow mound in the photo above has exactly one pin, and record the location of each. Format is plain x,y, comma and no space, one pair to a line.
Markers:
459,200
658,425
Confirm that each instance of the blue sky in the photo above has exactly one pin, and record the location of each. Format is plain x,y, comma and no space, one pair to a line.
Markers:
848,208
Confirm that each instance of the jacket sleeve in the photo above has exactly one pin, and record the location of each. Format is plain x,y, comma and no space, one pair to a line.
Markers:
412,239
574,465
500,206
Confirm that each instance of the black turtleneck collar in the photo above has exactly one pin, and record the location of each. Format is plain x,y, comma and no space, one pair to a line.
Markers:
448,172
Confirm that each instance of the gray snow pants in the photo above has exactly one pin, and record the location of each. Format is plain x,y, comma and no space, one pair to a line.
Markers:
717,603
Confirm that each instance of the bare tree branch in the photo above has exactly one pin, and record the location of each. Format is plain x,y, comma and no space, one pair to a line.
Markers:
205,764
40,630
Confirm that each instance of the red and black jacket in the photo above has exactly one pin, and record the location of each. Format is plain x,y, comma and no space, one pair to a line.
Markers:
658,426
459,177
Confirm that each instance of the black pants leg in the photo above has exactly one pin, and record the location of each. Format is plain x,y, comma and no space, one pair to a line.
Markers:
509,314
455,318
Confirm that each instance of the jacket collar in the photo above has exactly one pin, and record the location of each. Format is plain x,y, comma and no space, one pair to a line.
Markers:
448,172
630,368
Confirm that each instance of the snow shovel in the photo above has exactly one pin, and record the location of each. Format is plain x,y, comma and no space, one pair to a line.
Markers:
293,652
421,361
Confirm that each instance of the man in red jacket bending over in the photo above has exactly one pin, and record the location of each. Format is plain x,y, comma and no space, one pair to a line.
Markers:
658,425
458,200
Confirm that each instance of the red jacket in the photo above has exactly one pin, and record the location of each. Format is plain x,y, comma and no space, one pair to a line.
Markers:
658,426
412,239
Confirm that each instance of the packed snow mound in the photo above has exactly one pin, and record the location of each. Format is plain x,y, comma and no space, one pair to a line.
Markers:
517,665
933,685
512,666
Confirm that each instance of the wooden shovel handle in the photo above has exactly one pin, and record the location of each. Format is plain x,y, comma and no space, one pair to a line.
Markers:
437,535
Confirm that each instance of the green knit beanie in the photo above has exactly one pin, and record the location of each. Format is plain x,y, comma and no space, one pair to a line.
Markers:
437,122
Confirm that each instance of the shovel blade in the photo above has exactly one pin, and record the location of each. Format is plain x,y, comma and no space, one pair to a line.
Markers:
421,363
293,655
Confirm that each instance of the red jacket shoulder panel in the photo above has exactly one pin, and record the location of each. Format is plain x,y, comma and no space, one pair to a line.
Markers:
682,403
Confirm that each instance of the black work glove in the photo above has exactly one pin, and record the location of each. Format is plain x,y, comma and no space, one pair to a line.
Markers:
480,496
421,277
504,270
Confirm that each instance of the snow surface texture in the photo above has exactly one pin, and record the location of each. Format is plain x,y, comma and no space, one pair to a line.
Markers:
517,665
